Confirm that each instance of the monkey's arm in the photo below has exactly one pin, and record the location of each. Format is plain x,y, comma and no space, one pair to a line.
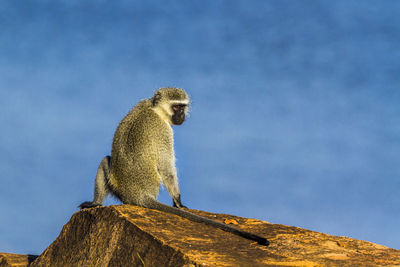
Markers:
170,180
167,171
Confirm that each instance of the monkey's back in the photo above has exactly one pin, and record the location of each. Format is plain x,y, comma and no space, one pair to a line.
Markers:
139,141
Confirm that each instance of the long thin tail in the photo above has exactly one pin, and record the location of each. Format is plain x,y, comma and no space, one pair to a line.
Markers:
101,185
154,204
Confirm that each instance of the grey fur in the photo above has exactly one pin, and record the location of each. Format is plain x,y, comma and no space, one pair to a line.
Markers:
143,157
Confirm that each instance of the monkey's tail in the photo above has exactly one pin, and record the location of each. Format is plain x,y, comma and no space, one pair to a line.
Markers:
154,204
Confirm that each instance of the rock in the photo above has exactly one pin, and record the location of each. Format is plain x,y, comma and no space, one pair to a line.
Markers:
128,235
9,259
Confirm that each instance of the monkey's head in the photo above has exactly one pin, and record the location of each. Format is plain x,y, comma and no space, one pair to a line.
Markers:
171,104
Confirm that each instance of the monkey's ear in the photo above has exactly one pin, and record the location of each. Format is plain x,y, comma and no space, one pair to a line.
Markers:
156,98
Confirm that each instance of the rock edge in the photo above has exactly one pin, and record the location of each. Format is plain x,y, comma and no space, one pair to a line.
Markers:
126,235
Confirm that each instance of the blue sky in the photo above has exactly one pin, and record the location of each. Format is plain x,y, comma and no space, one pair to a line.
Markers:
295,117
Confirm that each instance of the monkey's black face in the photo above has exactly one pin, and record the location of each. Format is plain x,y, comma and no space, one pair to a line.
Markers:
179,114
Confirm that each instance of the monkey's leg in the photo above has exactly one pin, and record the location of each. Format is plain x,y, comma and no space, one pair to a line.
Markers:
100,187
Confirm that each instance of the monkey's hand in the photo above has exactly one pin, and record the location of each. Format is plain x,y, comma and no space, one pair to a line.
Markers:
178,203
179,206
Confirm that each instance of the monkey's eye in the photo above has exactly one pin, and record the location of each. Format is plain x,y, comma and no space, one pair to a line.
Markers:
178,107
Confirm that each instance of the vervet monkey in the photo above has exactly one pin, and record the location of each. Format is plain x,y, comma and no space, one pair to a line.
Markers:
143,157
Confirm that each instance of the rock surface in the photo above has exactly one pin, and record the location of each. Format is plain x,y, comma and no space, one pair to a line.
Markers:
128,235
9,259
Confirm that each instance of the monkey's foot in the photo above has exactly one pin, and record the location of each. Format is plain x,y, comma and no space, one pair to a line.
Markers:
88,204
